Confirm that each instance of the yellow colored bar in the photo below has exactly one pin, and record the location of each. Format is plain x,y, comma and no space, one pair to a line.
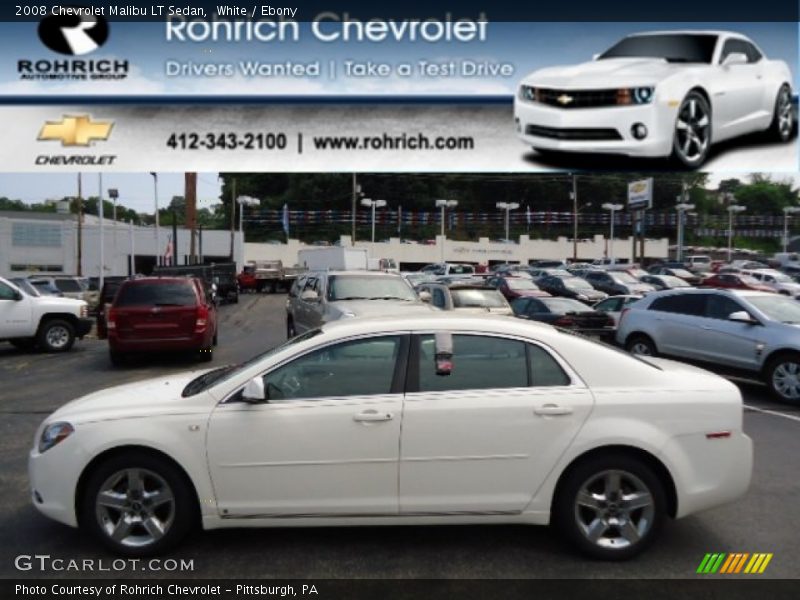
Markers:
741,563
751,564
765,563
758,562
728,561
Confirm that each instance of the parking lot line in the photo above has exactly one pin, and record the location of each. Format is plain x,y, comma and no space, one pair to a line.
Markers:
773,412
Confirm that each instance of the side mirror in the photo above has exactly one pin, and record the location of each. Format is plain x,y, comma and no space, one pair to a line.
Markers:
443,342
425,296
735,58
742,317
309,296
254,392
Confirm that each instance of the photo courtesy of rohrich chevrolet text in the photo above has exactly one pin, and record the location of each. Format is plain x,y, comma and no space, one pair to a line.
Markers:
419,300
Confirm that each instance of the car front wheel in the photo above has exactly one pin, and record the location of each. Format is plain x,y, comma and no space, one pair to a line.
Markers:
692,137
641,344
782,124
138,505
783,377
610,507
56,336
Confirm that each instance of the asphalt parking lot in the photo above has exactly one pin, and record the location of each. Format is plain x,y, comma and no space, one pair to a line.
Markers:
33,385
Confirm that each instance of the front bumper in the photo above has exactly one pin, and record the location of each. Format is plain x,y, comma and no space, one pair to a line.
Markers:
84,327
543,126
53,478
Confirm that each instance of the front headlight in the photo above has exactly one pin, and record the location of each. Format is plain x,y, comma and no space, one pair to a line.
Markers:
527,93
636,96
84,311
53,434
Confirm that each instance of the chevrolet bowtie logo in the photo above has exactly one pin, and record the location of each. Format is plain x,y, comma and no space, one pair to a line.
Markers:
75,131
564,99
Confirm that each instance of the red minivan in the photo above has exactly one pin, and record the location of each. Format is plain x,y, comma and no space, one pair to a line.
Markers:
162,314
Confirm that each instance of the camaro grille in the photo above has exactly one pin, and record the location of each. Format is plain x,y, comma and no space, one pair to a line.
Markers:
577,99
574,133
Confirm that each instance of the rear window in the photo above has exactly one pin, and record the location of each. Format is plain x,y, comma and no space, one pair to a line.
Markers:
157,294
689,304
68,285
477,299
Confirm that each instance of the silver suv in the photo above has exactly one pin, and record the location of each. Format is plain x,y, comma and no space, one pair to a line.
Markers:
319,297
750,331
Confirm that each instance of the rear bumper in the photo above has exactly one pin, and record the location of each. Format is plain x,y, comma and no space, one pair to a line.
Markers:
196,342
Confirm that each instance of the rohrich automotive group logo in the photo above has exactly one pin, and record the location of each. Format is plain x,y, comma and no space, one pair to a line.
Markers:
734,563
71,131
74,35
73,31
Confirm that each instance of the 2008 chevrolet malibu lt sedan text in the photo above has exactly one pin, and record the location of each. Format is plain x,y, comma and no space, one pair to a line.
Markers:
430,419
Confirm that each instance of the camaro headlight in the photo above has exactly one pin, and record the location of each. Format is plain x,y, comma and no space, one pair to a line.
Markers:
527,92
53,434
637,95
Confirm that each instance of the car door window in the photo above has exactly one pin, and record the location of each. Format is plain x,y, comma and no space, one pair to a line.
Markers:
6,292
721,307
545,370
688,304
742,47
355,368
479,362
438,298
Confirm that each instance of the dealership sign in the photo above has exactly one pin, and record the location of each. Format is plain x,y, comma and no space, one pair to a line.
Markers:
640,194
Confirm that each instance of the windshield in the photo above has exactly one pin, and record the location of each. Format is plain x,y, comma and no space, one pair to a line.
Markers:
623,278
521,284
206,380
778,308
373,287
565,305
576,283
749,280
681,273
674,281
477,299
672,47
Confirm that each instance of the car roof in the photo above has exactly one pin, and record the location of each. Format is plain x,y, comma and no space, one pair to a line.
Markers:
719,32
158,280
355,272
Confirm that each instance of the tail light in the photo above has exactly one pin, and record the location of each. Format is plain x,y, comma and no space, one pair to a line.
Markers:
610,321
622,316
111,319
564,321
202,319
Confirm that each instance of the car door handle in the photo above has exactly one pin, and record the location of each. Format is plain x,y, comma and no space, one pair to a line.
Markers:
552,410
372,416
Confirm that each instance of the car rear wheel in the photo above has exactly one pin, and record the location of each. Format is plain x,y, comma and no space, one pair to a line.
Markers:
641,344
138,505
783,377
692,137
206,354
610,507
116,358
782,124
56,335
290,330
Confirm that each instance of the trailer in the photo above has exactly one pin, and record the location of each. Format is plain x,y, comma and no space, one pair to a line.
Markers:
267,275
222,275
334,258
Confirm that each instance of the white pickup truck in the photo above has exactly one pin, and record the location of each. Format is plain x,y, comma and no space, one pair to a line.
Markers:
49,322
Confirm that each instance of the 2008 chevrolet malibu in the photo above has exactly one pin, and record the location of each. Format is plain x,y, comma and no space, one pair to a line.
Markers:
430,419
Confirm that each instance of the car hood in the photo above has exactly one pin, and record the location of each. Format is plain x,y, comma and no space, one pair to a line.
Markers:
58,302
597,74
640,287
142,398
378,308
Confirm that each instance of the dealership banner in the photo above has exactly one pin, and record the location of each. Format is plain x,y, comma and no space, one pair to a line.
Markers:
230,87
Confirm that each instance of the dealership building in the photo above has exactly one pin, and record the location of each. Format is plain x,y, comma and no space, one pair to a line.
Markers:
47,243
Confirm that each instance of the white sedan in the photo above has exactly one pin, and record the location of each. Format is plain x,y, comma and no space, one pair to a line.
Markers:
656,95
431,419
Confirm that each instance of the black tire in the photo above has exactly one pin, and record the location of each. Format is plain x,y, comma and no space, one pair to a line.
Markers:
639,343
185,510
782,126
215,339
55,335
206,354
24,344
290,330
117,359
784,367
693,109
621,532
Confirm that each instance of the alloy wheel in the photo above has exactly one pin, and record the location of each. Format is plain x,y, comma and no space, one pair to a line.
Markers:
693,130
642,348
785,114
135,507
614,509
786,380
57,337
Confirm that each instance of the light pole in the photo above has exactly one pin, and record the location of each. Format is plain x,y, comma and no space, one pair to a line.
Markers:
682,208
787,210
612,208
244,201
574,197
444,205
733,208
113,193
158,233
508,207
373,204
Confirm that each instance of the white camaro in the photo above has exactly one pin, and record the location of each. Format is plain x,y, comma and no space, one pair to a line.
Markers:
425,420
656,95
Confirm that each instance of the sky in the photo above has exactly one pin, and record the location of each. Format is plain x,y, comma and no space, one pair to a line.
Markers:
136,189
525,45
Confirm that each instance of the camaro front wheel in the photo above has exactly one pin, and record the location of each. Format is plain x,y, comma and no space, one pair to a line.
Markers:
782,124
137,505
611,507
692,136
